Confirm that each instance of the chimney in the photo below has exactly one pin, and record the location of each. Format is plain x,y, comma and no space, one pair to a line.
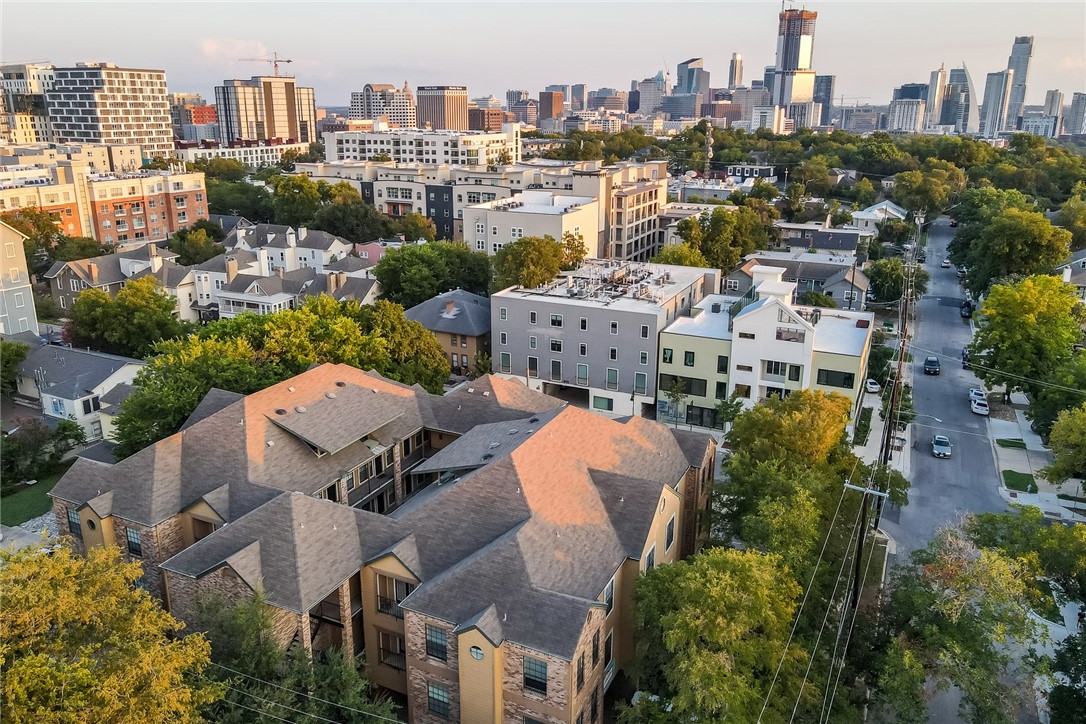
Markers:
156,263
1067,275
302,231
279,272
152,250
231,269
449,307
333,282
341,279
92,269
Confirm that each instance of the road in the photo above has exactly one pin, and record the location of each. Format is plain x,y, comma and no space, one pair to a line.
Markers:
943,489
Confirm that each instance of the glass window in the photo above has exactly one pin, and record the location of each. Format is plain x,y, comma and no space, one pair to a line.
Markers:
74,526
794,371
556,345
503,313
134,545
641,382
650,559
688,359
835,378
613,353
595,648
584,324
609,595
437,699
531,317
668,355
612,378
603,403
791,335
644,331
503,338
533,367
580,672
531,342
582,374
643,358
743,391
504,362
670,536
582,350
722,364
746,335
614,327
774,368
721,390
535,675
437,641
556,370
556,320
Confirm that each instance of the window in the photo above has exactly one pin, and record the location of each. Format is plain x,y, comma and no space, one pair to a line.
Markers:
776,369
732,285
794,372
503,313
691,385
556,320
535,675
722,364
595,648
533,367
609,595
613,353
669,538
532,342
744,368
437,699
582,349
91,404
791,335
835,378
391,650
73,524
644,331
556,345
531,318
556,370
19,302
612,378
668,355
641,382
688,359
504,363
436,643
742,391
650,559
584,324
614,327
580,672
456,338
721,390
595,706
746,335
503,338
134,545
391,591
582,374
603,403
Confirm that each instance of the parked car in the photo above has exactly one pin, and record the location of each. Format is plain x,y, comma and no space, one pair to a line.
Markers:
945,263
967,357
940,446
921,256
976,393
961,273
931,366
967,309
979,407
873,386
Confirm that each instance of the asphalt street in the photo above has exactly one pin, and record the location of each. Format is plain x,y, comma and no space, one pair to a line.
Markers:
943,489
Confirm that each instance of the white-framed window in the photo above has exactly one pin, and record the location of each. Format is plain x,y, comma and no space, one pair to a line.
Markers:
614,327
556,345
19,299
503,338
612,378
532,342
731,285
669,538
612,354
584,324
643,358
503,313
556,320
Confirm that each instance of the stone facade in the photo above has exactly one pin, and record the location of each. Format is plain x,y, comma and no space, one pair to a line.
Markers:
592,634
418,697
516,698
423,668
157,544
60,510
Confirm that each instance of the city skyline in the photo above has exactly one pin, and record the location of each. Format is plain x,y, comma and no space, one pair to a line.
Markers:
197,55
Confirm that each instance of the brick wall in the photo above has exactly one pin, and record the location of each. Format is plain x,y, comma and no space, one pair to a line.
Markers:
593,674
418,698
517,700
60,511
157,544
422,668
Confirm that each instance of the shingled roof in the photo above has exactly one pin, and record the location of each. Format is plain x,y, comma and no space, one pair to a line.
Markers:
71,373
453,312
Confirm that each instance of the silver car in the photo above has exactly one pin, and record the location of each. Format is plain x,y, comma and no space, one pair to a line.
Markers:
940,446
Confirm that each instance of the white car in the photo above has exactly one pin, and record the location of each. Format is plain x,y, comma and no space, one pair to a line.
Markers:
945,263
979,407
873,387
975,393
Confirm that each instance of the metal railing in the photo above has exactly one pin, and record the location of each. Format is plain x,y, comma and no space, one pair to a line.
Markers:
389,606
395,659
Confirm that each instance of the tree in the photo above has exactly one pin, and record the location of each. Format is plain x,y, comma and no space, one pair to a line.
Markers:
728,409
414,273
817,299
321,331
41,229
814,174
763,190
296,200
1068,442
710,631
222,169
1028,331
1015,243
1064,389
12,355
574,250
481,365
80,636
26,451
1067,700
680,255
355,221
1072,217
213,230
382,156
530,262
415,355
888,278
676,396
241,198
794,200
70,248
129,324
806,424
894,232
68,435
193,246
863,193
415,226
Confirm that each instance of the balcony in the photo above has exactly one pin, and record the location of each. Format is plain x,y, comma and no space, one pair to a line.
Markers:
395,659
389,606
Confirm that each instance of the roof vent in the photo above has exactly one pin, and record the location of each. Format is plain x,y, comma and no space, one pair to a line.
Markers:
494,445
299,408
271,443
471,389
374,390
514,431
341,384
534,419
280,411
487,456
330,395
486,394
290,389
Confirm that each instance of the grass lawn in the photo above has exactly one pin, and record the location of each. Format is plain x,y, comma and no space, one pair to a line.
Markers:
30,501
1015,442
1022,482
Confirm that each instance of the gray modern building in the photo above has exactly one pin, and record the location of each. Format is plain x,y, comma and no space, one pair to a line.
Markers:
1075,122
591,334
1021,54
824,87
967,118
16,296
997,93
911,92
691,77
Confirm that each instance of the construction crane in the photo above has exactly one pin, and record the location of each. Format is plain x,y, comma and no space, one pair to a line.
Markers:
852,98
275,60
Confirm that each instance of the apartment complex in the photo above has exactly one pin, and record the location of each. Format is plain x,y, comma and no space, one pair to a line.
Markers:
383,101
343,496
17,313
193,118
442,107
266,108
486,119
136,207
906,115
101,103
531,213
253,154
24,111
408,145
593,332
759,345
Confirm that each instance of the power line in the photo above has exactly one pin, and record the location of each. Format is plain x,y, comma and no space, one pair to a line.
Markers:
261,713
276,703
1010,375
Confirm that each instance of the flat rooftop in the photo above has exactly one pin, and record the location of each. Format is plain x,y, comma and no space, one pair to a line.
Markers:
707,323
837,333
536,202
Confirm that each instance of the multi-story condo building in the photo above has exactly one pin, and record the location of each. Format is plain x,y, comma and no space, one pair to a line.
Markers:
550,104
1040,125
593,332
906,116
997,94
793,75
355,531
136,207
379,101
525,111
824,89
193,118
1018,62
1075,123
285,248
109,272
514,96
735,71
759,345
253,154
443,107
101,103
266,108
934,100
17,313
26,117
490,225
424,146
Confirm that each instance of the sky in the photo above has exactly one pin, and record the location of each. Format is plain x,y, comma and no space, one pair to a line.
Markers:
338,47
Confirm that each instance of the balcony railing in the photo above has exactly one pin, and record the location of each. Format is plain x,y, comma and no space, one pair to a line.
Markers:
389,606
394,659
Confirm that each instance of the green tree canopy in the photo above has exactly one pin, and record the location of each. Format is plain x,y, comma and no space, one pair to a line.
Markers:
240,198
1015,243
888,277
12,355
1064,389
414,273
222,169
863,193
529,262
193,246
684,254
415,226
1068,442
41,229
129,324
817,299
296,200
79,637
70,248
1072,217
353,220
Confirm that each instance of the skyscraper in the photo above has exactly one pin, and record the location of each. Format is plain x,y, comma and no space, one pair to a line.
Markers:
266,107
24,88
1075,123
578,99
1021,53
997,93
735,71
550,104
793,79
1054,109
906,115
967,118
911,92
443,107
936,89
379,100
824,87
691,77
767,78
514,96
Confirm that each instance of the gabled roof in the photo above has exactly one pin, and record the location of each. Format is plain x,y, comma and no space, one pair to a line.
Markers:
227,222
117,395
109,265
71,373
453,312
291,282
218,263
835,239
313,239
850,274
170,275
349,264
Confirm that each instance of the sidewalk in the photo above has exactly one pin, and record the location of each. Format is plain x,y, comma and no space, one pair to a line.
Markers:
900,460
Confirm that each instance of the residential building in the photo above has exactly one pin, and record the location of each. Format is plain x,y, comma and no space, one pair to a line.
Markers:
1018,64
461,322
1073,272
550,104
25,113
285,248
825,87
997,93
906,116
793,75
109,272
137,207
735,71
1075,122
253,154
426,146
1039,124
964,112
440,607
57,189
383,101
861,119
442,107
266,108
748,99
835,275
17,313
110,407
531,213
282,290
803,115
933,104
761,345
486,119
101,103
771,117
673,213
651,95
66,383
593,331
840,241
868,219
192,118
98,157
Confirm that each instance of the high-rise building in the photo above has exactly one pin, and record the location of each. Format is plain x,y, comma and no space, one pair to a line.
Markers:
443,107
691,77
1021,53
749,99
550,104
578,98
526,111
514,96
652,95
997,92
485,119
266,107
1054,108
824,88
967,117
383,100
682,105
491,102
861,119
1075,121
101,103
767,78
934,101
906,115
193,118
911,92
793,79
735,71
1039,124
564,90
25,116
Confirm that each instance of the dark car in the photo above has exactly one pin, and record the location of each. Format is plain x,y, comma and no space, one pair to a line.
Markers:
967,310
967,359
931,366
953,223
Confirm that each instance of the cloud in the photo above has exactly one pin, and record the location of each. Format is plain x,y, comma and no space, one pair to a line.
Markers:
1072,62
230,49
